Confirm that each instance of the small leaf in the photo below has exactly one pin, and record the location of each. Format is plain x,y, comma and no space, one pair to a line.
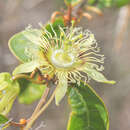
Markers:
30,92
3,119
88,109
99,77
58,22
26,67
61,89
105,3
72,2
25,45
4,122
91,2
120,3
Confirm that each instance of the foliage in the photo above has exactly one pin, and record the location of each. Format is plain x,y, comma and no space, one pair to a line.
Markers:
3,119
88,110
30,92
109,3
58,54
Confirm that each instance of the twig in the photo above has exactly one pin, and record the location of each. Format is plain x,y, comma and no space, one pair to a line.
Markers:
69,15
53,16
29,124
16,124
41,102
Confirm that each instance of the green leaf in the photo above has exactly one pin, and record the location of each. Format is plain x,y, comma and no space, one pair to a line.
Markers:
120,3
91,2
25,45
4,122
110,3
30,92
3,119
105,3
26,67
94,74
72,2
61,89
58,22
88,109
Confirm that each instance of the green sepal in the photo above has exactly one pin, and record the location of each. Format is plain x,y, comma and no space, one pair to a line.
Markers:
30,92
88,109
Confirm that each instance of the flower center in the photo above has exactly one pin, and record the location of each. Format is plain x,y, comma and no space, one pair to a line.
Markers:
62,59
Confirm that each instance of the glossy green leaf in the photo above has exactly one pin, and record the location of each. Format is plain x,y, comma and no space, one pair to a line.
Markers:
61,89
25,45
30,92
3,119
72,2
96,75
26,67
88,109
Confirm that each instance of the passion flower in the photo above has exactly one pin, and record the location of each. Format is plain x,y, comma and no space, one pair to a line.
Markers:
71,55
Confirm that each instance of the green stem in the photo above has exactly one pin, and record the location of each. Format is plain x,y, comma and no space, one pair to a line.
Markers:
30,123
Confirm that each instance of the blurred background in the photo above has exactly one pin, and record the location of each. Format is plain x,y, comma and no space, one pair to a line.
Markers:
112,31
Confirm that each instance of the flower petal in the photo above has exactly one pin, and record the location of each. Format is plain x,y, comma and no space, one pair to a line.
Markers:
99,77
61,89
33,35
26,67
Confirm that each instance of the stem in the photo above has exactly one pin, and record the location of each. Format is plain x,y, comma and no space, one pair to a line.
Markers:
30,123
17,124
41,102
69,14
19,76
53,16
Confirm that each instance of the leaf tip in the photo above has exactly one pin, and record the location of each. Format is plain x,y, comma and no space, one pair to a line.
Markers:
110,82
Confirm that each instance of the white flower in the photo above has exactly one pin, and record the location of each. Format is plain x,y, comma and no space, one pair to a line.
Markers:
71,55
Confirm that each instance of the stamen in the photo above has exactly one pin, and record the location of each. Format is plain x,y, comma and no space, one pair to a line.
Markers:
54,33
